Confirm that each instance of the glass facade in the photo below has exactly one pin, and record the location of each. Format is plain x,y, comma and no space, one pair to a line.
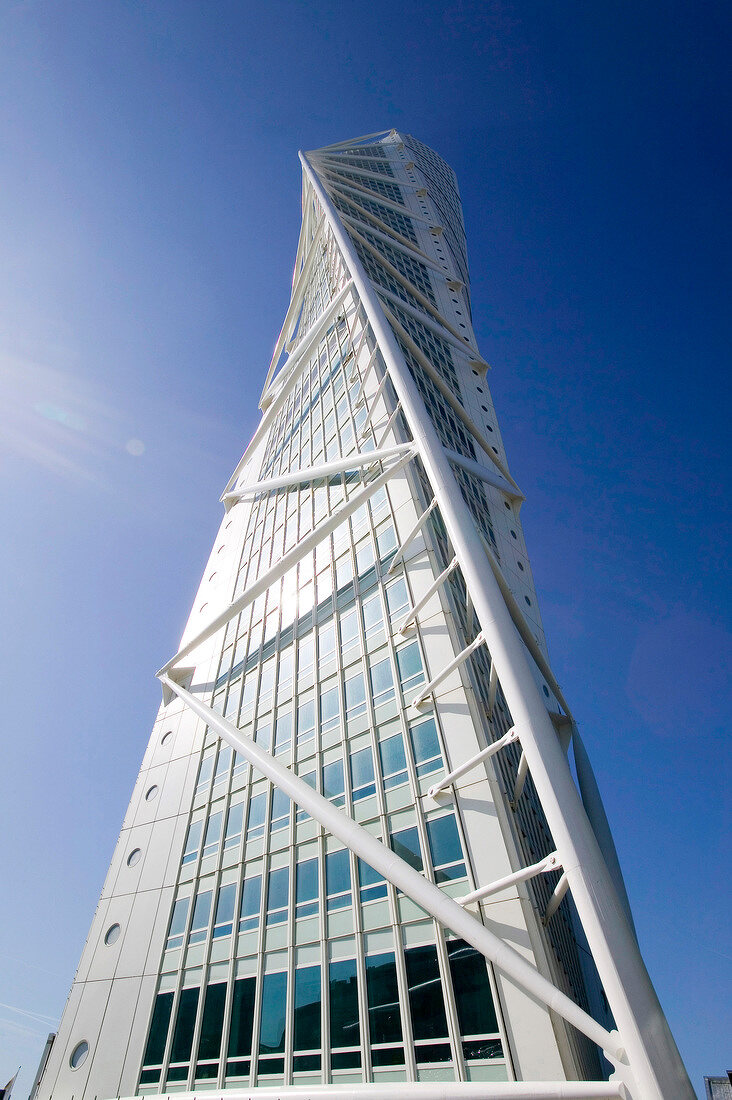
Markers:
285,959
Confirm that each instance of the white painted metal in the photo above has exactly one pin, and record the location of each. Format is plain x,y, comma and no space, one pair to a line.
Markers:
556,899
315,473
360,396
412,535
308,543
414,611
390,423
657,1070
521,774
462,656
549,863
423,1090
400,873
489,476
366,426
484,754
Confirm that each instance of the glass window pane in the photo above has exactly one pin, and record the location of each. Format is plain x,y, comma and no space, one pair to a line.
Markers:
445,848
272,1026
306,880
333,782
242,1018
307,1008
278,890
213,833
409,663
234,824
283,732
257,809
393,761
382,682
426,1005
344,1030
225,910
158,1035
193,842
385,1023
213,1021
475,1009
251,898
362,774
355,696
329,708
280,810
338,879
426,747
184,1024
406,845
396,598
306,720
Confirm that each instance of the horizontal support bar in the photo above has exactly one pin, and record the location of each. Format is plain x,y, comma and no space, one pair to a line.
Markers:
412,615
412,535
454,663
315,473
484,754
298,551
427,1090
556,899
400,873
549,863
523,771
491,477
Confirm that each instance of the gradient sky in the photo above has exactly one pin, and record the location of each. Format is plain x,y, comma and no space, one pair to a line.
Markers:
150,211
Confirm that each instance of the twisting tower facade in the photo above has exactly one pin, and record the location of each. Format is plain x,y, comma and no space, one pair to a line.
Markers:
355,853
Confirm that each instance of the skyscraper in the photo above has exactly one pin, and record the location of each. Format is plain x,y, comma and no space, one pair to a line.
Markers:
355,851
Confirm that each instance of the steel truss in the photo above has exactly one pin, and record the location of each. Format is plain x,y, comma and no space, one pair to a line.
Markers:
642,1050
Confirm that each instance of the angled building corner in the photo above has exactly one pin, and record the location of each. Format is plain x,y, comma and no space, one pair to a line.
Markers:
355,853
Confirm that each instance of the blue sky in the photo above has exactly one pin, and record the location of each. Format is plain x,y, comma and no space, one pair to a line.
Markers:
150,211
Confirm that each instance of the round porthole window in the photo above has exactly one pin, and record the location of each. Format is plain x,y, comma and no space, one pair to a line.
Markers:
112,934
166,737
150,793
134,857
79,1054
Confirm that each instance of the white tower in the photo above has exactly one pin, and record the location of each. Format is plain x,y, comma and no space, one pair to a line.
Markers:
355,853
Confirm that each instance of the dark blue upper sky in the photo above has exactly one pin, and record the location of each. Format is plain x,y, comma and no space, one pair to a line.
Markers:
150,212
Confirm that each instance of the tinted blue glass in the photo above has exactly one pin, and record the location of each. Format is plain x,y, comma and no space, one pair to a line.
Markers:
426,747
272,1025
344,1029
445,848
250,903
307,1008
406,845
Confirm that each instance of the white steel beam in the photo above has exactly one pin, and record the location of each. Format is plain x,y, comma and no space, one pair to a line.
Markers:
409,539
463,655
549,863
556,899
414,611
491,477
308,543
424,1090
653,1067
496,746
400,873
315,473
